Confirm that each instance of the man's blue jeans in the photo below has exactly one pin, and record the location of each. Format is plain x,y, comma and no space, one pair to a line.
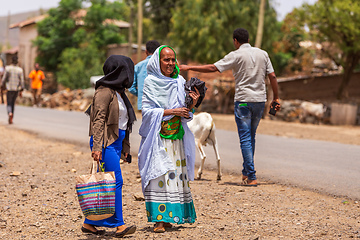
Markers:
247,117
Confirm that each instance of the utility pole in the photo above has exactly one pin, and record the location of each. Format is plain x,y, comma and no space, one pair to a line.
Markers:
7,43
260,28
140,25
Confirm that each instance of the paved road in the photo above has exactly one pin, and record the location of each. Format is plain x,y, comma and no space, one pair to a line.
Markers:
327,167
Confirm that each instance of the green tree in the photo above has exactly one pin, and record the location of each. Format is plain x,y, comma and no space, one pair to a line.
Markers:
57,32
74,46
77,65
160,13
336,23
288,54
202,30
100,30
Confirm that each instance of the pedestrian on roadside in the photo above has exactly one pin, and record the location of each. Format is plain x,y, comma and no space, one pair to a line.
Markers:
111,120
250,67
2,69
141,73
13,82
167,149
37,78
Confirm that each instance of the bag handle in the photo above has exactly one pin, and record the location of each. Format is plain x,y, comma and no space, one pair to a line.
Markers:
94,167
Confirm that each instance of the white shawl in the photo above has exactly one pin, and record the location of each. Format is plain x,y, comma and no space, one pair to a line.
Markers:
161,92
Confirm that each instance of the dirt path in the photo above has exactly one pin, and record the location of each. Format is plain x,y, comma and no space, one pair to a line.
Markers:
38,201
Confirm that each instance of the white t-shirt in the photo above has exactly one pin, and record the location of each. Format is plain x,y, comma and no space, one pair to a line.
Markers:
123,114
250,67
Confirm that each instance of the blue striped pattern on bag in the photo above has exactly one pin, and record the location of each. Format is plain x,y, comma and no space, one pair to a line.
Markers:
97,198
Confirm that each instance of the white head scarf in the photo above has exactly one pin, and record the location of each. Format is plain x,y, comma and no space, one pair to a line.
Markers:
161,92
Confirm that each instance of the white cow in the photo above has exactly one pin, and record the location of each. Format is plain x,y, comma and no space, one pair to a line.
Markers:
312,109
203,128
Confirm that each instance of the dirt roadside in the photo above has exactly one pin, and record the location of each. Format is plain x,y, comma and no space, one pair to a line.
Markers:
38,198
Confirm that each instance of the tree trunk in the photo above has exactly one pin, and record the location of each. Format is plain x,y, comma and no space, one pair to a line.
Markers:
131,30
140,25
351,60
260,28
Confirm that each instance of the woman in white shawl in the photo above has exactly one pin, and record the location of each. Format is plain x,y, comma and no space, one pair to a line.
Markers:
167,149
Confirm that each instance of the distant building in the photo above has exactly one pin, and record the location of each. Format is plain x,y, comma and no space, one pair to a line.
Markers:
28,32
27,52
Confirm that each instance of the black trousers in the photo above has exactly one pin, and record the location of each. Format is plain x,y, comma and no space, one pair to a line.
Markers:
11,99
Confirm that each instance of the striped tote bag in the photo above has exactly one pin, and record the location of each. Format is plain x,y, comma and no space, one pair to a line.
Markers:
96,193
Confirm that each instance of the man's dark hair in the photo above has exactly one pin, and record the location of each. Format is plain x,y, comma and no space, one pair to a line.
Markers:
14,59
241,35
152,45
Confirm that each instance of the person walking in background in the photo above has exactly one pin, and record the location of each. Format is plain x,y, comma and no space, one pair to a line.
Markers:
167,149
250,67
141,73
111,120
13,82
2,69
37,77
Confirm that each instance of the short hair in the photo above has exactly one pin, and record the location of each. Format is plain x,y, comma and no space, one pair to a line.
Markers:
14,59
241,35
152,45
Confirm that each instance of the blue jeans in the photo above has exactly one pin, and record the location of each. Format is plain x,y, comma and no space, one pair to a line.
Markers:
247,117
111,162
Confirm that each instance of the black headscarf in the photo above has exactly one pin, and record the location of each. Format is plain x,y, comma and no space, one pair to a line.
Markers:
119,75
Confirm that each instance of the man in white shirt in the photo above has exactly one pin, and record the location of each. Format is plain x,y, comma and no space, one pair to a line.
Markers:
250,67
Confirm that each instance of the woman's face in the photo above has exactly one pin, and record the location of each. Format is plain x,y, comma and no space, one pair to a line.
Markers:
167,61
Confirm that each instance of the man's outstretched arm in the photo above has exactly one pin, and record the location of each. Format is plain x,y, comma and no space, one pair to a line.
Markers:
201,68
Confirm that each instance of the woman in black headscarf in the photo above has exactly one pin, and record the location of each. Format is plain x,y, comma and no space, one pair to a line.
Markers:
111,119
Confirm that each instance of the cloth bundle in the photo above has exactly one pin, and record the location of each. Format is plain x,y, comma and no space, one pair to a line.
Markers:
190,86
96,194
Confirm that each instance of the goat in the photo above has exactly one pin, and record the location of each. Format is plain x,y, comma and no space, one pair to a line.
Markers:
203,128
316,110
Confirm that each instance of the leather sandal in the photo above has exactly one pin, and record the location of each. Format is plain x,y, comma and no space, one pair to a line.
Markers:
159,229
168,225
249,183
165,224
98,232
127,231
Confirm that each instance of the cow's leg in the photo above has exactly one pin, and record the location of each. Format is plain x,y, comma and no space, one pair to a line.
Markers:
202,157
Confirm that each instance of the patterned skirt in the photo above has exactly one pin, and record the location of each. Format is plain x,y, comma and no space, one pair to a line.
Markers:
168,197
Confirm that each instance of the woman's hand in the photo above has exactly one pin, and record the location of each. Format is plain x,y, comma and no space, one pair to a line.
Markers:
195,96
96,155
181,112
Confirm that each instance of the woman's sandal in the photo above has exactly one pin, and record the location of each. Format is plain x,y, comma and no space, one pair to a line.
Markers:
167,225
128,230
98,232
159,229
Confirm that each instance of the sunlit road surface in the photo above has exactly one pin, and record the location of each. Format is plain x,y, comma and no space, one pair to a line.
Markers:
327,167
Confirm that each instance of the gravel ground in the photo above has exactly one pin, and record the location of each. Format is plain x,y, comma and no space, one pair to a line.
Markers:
38,201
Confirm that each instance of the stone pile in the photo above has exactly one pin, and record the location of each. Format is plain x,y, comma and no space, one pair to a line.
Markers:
291,112
68,100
